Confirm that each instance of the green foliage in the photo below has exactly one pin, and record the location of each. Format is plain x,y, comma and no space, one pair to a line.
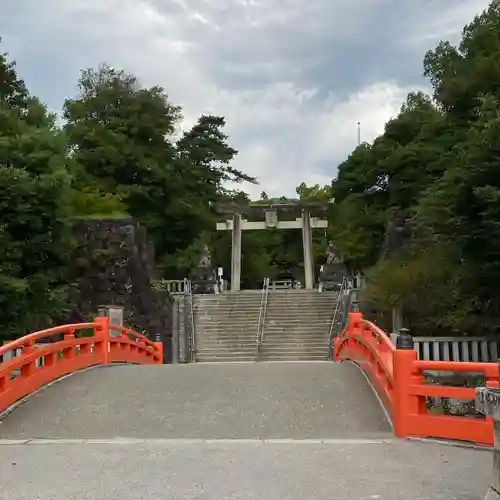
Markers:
34,200
120,154
124,143
88,202
439,160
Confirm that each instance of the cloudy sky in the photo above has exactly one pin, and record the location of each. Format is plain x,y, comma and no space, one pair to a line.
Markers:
292,77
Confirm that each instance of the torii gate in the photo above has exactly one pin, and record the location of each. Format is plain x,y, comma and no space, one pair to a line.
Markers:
238,224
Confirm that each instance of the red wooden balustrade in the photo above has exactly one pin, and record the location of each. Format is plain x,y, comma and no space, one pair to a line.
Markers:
397,376
35,365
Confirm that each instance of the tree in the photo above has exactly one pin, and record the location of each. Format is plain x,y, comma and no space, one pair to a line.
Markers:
34,224
438,161
313,193
13,91
123,140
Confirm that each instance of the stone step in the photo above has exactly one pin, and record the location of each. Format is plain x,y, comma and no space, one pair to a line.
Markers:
300,342
277,339
322,343
271,293
227,328
295,341
270,311
298,331
301,305
227,300
298,297
256,299
224,342
227,309
265,341
297,318
200,358
294,357
305,306
253,318
271,332
295,349
302,298
214,301
216,351
295,331
296,346
301,292
248,322
226,346
229,348
319,344
296,325
310,339
228,331
230,306
236,314
275,326
245,322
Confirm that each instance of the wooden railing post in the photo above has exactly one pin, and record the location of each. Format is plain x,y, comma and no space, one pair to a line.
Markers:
159,346
101,334
403,404
353,320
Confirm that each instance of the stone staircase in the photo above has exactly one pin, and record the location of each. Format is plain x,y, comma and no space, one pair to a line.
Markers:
226,325
297,325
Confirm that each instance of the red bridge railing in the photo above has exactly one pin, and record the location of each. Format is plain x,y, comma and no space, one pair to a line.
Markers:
397,376
34,365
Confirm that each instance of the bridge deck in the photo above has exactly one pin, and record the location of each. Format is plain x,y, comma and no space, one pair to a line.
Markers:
226,400
189,422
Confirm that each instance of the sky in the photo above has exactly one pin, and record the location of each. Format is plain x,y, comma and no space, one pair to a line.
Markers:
292,77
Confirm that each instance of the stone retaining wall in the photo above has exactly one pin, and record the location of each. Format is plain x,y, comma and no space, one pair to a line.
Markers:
114,264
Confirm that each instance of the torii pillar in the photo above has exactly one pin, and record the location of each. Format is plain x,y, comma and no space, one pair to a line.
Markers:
236,251
237,224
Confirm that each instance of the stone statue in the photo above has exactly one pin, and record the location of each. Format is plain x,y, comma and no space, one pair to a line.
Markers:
203,272
333,270
206,258
331,253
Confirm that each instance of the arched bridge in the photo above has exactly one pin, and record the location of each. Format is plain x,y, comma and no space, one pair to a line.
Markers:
96,415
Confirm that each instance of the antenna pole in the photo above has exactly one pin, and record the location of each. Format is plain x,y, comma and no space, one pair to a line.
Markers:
359,133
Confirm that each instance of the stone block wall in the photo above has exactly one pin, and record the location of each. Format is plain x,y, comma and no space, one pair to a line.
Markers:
114,264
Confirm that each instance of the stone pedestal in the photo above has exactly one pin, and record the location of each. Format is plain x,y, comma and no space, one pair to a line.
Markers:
115,317
488,402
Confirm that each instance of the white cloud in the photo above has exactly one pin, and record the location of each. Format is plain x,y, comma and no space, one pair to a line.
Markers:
266,65
442,21
312,135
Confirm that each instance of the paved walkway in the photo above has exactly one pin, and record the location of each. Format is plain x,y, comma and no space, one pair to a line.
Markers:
223,400
223,431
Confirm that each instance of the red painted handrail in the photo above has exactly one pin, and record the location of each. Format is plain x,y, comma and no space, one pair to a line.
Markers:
397,376
20,375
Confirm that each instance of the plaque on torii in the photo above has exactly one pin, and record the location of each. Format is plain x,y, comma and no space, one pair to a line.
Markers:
237,224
